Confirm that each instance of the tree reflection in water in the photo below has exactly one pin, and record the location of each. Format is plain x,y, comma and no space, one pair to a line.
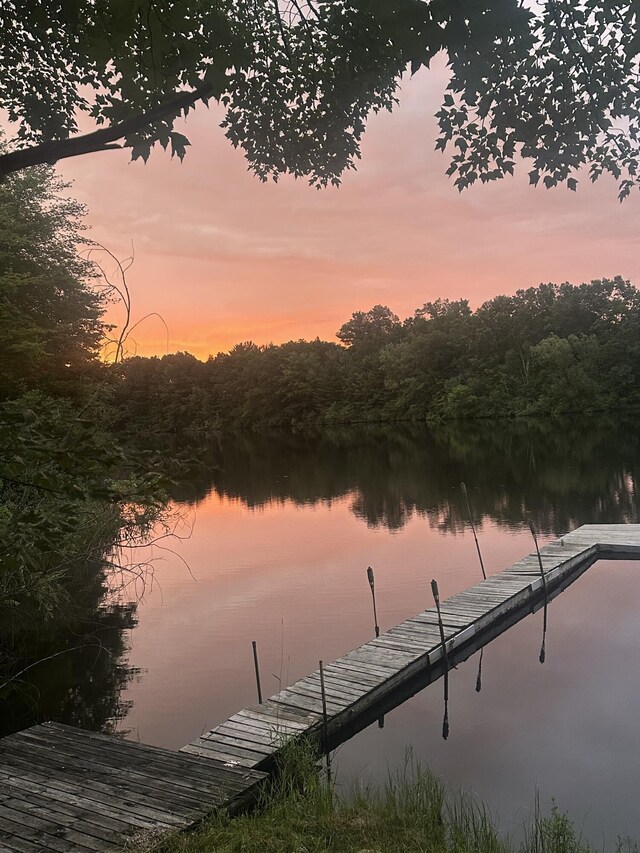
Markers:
560,473
74,668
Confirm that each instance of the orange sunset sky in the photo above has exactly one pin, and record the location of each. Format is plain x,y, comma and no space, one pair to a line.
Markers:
225,258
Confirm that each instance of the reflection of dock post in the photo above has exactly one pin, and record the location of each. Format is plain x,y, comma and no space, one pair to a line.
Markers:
543,653
445,720
479,675
257,668
373,596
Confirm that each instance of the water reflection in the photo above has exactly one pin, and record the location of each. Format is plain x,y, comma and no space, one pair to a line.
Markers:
73,669
556,472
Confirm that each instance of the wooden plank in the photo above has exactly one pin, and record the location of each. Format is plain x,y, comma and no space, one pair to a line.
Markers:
72,766
35,801
298,715
426,633
343,681
275,719
252,732
211,772
427,618
365,668
221,738
17,768
48,833
40,840
414,645
261,723
305,692
175,758
32,783
114,764
344,691
222,745
394,659
23,809
227,757
188,774
352,672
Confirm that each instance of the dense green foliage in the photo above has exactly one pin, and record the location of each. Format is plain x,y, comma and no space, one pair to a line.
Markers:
554,83
549,349
67,489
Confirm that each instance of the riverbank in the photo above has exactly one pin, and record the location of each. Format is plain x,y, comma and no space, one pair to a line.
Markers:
413,812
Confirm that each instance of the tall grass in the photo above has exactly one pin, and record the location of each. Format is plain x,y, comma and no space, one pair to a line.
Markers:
412,813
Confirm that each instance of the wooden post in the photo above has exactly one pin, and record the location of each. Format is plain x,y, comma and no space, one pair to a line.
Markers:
375,623
257,668
542,574
373,596
445,721
473,528
325,724
436,598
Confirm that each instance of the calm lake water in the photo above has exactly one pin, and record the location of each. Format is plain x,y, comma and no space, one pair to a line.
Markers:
273,538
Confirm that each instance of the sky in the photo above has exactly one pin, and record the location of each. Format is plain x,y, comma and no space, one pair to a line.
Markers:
224,258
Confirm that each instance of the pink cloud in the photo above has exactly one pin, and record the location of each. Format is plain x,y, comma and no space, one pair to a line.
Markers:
226,258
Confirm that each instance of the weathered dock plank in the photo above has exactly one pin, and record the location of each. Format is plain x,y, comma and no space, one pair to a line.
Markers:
64,789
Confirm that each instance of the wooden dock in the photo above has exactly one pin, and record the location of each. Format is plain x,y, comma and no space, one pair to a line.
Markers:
383,672
65,789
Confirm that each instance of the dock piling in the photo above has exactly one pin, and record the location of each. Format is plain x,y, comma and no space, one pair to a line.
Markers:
325,723
257,668
445,720
473,529
373,596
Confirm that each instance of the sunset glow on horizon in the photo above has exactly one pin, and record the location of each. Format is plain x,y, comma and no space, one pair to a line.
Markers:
224,258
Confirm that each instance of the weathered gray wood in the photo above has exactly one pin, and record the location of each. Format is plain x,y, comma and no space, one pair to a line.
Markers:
181,763
181,772
46,833
21,811
139,787
61,810
196,749
62,789
171,786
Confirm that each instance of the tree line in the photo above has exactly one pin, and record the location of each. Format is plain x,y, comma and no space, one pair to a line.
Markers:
551,349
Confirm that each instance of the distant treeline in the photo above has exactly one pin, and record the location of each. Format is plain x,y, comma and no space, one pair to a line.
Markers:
549,349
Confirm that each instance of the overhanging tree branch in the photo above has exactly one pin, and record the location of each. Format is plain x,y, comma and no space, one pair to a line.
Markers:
105,139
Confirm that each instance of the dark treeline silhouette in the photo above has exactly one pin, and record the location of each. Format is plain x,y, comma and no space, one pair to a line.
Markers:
548,349
558,472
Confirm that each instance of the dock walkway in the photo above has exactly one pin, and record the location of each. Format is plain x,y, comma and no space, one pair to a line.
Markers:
358,685
64,789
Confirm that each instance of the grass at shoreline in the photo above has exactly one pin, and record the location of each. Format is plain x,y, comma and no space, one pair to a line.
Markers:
412,813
